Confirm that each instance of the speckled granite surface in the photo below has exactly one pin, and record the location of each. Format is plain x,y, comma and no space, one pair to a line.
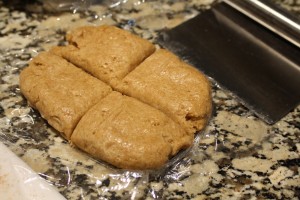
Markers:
237,157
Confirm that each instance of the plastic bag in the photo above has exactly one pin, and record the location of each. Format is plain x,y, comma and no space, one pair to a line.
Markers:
27,185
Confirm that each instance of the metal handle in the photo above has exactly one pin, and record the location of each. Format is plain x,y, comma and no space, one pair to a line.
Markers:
270,16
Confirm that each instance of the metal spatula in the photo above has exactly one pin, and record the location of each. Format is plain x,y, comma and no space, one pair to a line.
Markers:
249,47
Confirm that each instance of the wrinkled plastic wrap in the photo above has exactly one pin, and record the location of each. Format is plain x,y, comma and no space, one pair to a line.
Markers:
68,5
75,174
236,157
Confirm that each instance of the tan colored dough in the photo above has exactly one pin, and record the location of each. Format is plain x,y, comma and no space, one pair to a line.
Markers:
106,52
129,134
60,91
172,86
166,100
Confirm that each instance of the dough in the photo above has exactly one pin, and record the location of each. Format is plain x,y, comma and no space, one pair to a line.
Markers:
165,101
60,91
129,134
172,86
106,52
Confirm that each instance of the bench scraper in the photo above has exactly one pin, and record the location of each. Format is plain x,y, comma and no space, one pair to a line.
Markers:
251,48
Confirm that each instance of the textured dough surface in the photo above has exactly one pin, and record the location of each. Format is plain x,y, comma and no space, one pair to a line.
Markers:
106,52
129,134
60,91
166,100
172,86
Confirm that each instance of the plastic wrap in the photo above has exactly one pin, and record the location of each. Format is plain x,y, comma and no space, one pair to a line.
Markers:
75,174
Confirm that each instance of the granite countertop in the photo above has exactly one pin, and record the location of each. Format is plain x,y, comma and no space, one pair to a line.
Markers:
237,157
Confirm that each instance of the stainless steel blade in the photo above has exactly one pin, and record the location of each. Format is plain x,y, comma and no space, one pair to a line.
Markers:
261,68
